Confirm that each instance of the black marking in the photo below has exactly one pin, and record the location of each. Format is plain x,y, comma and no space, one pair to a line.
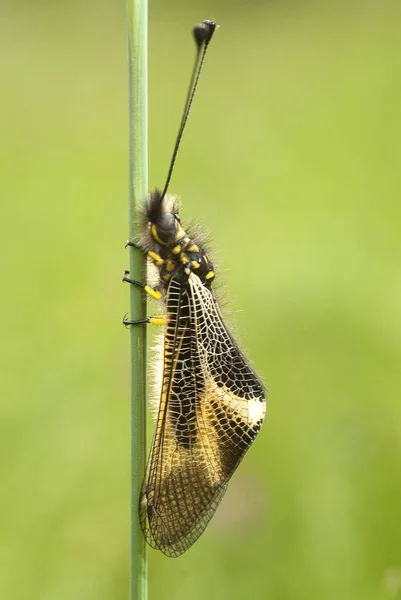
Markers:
203,32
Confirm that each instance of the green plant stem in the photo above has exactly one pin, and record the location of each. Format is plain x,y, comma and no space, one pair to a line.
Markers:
137,21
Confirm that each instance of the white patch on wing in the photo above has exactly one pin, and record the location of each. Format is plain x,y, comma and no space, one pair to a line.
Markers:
251,411
256,411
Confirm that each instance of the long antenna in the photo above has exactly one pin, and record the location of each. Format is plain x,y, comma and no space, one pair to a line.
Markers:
202,34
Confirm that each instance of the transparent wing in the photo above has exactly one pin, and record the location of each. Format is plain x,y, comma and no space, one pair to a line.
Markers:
212,407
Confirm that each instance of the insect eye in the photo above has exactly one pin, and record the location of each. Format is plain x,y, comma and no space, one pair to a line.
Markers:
166,227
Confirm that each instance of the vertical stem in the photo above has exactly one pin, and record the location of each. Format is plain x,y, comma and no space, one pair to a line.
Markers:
137,21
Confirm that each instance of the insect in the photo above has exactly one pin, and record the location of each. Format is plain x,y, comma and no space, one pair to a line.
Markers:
212,404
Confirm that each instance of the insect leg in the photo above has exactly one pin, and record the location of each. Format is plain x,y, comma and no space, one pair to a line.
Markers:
137,246
158,260
154,293
155,320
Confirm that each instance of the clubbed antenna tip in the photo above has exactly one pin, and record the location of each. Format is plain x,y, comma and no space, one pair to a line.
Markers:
203,33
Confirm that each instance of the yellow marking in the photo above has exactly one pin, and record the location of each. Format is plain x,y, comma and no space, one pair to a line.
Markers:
155,294
195,264
180,233
193,248
156,237
166,276
156,258
157,320
176,249
184,258
209,275
170,266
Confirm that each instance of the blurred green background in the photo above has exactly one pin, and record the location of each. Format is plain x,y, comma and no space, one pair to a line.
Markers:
292,160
